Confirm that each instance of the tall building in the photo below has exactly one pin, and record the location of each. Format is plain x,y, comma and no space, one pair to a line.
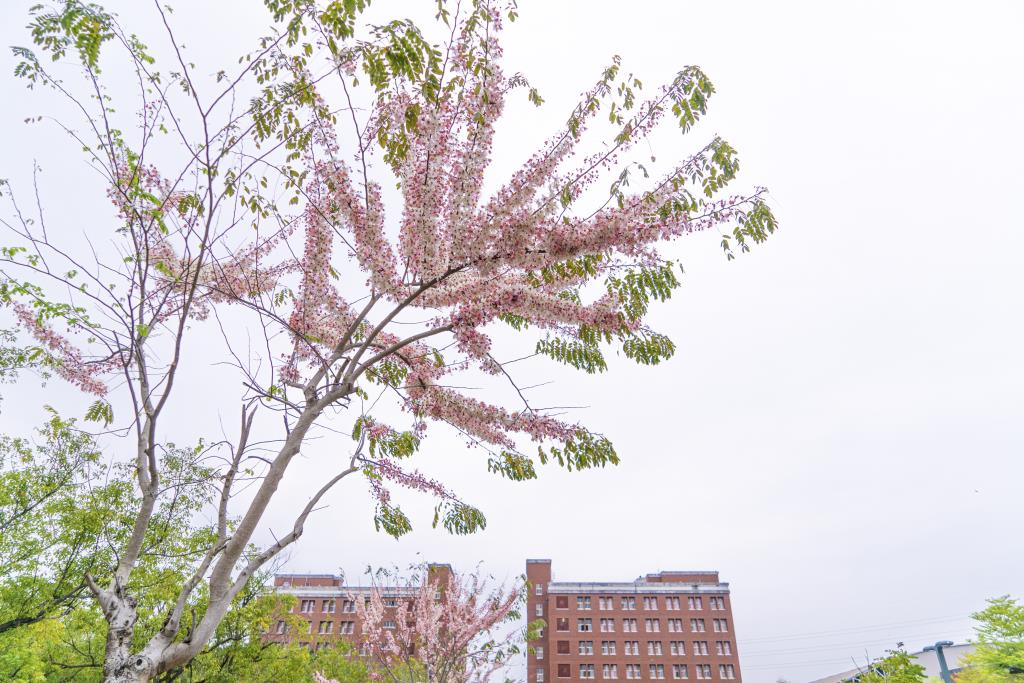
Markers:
329,607
672,625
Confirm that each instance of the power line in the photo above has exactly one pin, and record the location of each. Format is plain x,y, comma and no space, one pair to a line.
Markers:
841,631
816,662
825,647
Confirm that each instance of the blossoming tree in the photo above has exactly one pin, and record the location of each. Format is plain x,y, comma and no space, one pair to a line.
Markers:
258,192
443,631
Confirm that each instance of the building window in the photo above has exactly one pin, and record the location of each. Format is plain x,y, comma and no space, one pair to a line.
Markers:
390,625
723,647
650,603
628,603
721,625
562,647
325,627
675,625
704,671
717,603
564,671
586,670
348,606
726,671
631,647
540,675
607,626
672,603
652,625
677,648
585,625
697,625
633,671
586,647
629,626
561,602
347,627
656,671
538,589
562,624
539,609
582,602
307,606
608,647
391,602
680,671
328,606
281,627
695,603
605,603
539,651
654,648
700,648
609,671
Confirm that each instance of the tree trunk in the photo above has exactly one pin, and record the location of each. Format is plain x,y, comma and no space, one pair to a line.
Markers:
119,664
127,674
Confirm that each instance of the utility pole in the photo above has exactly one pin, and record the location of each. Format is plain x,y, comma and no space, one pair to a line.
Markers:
943,669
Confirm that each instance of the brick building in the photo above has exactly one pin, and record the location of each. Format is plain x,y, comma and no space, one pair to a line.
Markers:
671,625
329,606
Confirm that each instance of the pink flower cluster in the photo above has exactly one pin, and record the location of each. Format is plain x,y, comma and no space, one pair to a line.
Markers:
445,625
70,364
470,260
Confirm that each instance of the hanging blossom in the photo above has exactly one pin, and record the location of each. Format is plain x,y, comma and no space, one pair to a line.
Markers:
470,261
444,625
409,297
70,363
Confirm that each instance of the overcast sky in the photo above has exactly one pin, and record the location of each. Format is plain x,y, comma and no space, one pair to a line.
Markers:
840,433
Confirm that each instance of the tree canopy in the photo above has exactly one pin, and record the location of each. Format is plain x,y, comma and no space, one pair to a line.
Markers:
263,192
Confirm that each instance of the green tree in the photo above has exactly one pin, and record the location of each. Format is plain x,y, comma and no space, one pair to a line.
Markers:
998,643
54,511
897,666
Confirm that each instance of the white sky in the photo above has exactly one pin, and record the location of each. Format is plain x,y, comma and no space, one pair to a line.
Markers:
840,432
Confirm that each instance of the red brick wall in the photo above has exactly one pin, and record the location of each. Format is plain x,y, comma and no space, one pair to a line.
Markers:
539,573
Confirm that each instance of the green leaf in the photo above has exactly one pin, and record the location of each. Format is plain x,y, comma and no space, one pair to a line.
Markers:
583,451
578,354
514,466
392,521
458,518
100,411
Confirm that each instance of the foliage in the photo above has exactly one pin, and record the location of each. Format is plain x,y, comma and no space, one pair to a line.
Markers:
14,359
998,643
55,511
259,189
898,666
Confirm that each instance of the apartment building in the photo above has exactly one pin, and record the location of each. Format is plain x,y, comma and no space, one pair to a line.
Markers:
673,625
329,608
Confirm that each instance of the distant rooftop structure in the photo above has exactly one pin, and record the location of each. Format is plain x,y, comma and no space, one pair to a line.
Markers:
321,585
674,581
929,660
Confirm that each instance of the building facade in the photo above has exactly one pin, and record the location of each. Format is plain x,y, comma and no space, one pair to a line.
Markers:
668,626
328,609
